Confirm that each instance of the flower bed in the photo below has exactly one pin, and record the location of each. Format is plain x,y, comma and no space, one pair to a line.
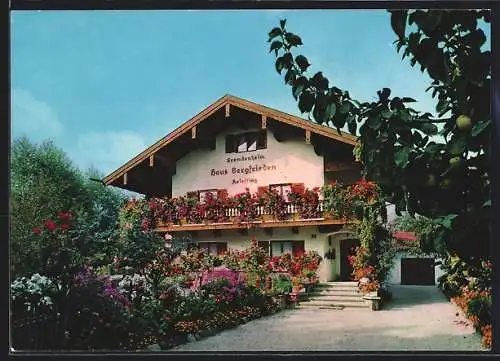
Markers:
476,306
153,295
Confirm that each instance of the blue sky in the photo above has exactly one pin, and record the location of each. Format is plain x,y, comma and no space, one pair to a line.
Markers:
104,85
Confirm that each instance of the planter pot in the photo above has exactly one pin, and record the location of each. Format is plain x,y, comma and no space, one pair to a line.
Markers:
267,218
283,301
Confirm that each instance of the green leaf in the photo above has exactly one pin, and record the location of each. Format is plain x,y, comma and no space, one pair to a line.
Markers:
299,85
442,106
319,81
275,45
282,23
302,62
398,22
427,128
386,113
306,101
408,100
401,157
479,127
457,145
287,60
345,107
290,76
352,126
374,121
279,64
331,108
274,33
447,221
487,203
384,94
293,39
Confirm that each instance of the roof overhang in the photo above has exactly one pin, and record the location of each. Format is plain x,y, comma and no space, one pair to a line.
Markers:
189,130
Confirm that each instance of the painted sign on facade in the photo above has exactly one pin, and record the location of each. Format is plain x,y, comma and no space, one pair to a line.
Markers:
286,162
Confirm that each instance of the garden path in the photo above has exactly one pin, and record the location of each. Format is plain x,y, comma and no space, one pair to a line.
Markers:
417,318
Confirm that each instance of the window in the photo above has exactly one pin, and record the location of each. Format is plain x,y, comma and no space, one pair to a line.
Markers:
246,142
214,248
264,245
280,247
202,194
282,189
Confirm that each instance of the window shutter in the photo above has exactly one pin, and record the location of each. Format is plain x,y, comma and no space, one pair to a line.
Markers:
221,247
222,193
298,187
264,245
261,190
262,139
230,143
297,247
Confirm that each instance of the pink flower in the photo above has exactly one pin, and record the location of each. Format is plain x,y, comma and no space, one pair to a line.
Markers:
36,230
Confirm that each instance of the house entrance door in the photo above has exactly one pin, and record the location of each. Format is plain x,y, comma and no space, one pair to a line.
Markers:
347,248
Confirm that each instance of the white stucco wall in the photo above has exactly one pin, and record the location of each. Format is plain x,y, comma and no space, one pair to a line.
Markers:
395,274
286,162
236,240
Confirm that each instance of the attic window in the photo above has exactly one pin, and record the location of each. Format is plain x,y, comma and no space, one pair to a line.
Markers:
246,142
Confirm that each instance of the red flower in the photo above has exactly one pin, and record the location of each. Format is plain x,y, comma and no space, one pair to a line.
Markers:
64,227
65,216
50,225
36,230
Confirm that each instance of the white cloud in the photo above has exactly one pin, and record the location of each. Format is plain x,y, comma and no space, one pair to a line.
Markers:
33,117
107,150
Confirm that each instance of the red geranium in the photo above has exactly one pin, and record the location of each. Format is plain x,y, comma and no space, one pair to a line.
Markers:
50,225
64,227
36,230
65,216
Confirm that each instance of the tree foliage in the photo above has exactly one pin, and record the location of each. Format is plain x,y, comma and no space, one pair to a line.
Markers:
438,172
44,182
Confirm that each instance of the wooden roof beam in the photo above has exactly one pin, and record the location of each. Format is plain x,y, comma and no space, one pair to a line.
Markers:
308,136
193,132
264,122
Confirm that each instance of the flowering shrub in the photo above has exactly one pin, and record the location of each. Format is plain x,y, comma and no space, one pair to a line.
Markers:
336,200
215,207
301,267
247,205
476,304
306,202
275,204
33,293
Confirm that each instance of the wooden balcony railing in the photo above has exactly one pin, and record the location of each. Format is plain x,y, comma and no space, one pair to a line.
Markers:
260,217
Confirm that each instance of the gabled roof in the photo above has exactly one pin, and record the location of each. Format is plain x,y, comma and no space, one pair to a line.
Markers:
228,101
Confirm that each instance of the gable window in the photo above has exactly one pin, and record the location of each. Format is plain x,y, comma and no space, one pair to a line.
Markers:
282,189
246,142
213,248
281,247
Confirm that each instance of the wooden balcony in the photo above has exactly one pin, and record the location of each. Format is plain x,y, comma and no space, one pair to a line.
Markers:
262,219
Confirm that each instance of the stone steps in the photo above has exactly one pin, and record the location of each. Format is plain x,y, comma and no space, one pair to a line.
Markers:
333,292
334,295
341,298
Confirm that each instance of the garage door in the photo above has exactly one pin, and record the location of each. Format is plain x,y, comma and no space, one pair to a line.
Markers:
417,271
